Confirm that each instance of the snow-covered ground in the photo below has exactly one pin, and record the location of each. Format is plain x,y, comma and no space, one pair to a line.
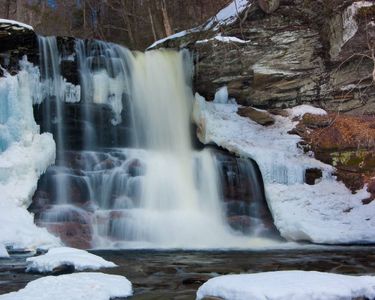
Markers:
24,155
326,212
79,286
55,257
288,285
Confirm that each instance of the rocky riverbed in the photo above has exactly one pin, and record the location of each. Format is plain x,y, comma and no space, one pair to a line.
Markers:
178,274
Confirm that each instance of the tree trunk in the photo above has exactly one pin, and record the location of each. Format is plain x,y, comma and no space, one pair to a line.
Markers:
167,24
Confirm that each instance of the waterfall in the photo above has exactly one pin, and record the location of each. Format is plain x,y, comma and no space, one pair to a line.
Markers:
158,191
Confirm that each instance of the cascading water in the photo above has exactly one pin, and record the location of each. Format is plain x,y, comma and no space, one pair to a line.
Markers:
53,94
159,192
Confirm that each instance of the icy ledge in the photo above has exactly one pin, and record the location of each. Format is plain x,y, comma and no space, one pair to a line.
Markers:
326,212
286,285
55,257
79,286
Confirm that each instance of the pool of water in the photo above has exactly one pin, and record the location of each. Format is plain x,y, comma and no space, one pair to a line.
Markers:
178,274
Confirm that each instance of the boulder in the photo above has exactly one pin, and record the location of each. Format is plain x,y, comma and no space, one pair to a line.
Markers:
312,174
260,117
269,6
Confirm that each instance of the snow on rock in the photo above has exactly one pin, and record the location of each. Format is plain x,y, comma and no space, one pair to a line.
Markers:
3,251
79,286
173,36
13,22
55,257
326,212
228,15
286,285
24,155
300,110
224,39
349,23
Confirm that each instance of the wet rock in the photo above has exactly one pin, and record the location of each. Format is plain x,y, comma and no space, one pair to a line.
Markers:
135,168
199,279
269,6
76,235
63,269
241,223
312,175
15,42
260,117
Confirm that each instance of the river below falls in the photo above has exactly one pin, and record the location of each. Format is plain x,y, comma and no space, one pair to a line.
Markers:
178,274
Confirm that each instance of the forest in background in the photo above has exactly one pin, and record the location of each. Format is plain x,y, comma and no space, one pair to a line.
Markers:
134,23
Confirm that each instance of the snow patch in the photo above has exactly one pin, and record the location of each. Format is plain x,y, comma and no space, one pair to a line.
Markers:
326,212
287,285
13,22
79,286
55,257
300,110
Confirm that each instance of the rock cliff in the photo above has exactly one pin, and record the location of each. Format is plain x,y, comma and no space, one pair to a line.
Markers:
289,52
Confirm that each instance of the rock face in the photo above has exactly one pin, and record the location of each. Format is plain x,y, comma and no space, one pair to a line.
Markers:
303,52
15,42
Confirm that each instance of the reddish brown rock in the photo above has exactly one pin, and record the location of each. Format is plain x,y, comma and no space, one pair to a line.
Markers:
72,234
344,141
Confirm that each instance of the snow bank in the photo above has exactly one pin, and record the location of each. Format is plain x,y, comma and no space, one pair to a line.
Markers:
326,212
13,22
79,286
55,257
24,156
286,285
3,251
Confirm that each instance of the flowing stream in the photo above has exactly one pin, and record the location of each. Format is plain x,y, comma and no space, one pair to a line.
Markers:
158,192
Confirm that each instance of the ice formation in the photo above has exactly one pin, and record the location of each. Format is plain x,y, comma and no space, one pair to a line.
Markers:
24,156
